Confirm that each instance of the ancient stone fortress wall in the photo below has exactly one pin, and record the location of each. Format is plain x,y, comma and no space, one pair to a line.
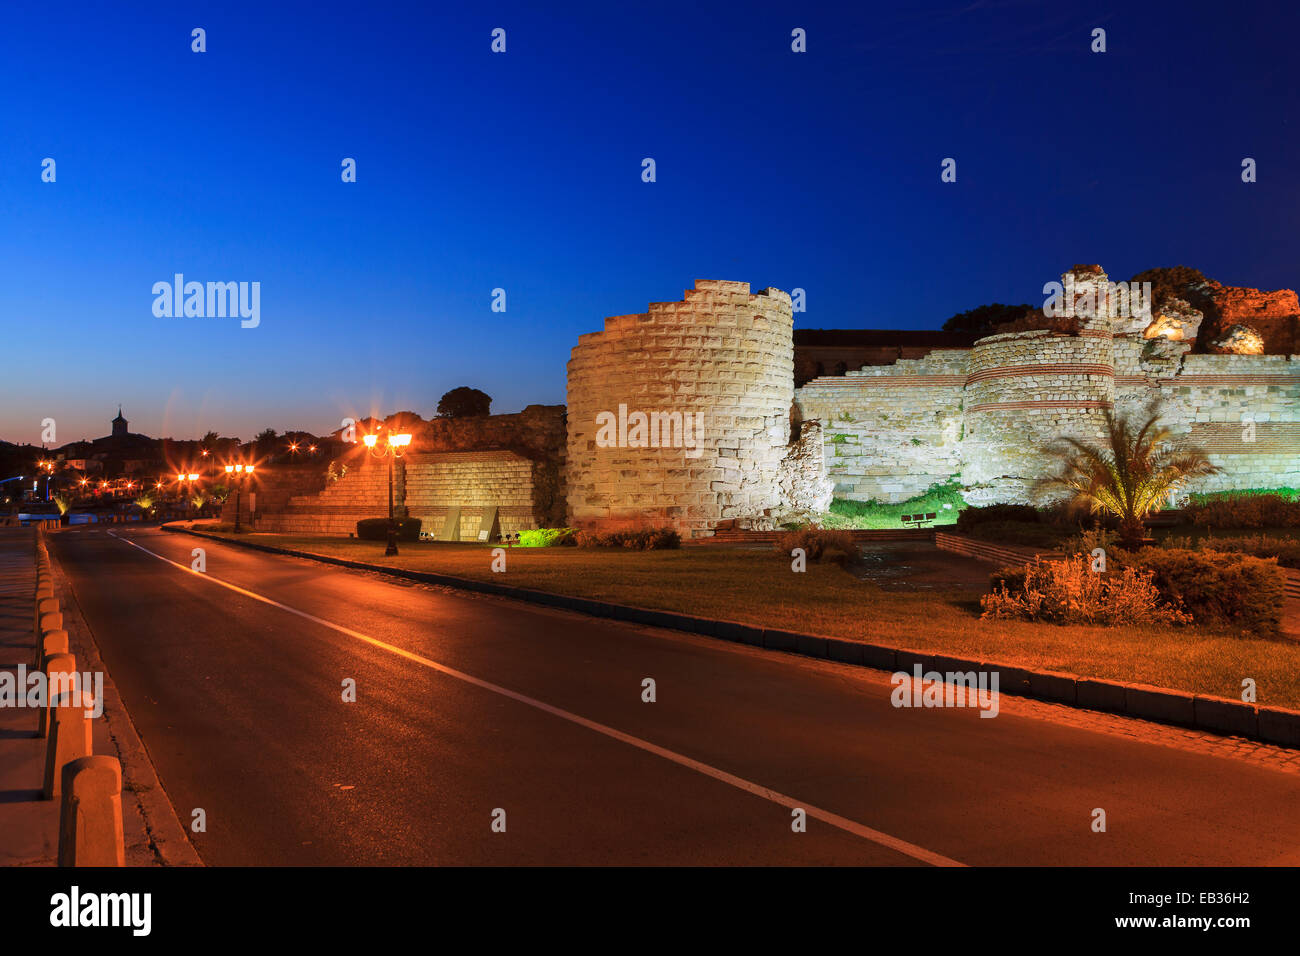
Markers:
537,433
891,431
1243,410
1023,391
720,363
430,484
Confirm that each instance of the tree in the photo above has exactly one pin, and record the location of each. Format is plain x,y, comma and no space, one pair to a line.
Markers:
984,319
1129,475
464,402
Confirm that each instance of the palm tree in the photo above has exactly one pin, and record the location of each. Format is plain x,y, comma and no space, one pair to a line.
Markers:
1129,475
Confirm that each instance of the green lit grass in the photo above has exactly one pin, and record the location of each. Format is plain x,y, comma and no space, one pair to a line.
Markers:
756,587
875,514
1292,494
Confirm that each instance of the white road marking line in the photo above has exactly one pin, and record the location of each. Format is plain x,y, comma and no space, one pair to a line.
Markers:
740,783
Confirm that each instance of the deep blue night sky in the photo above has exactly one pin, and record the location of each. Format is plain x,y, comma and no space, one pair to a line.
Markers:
523,171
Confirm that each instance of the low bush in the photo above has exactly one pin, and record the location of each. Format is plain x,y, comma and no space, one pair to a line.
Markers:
1069,592
1216,587
1086,542
634,539
971,518
1246,511
817,543
547,537
376,529
1286,550
1208,587
1012,578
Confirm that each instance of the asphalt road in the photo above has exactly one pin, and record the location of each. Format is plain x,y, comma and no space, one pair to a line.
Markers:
468,704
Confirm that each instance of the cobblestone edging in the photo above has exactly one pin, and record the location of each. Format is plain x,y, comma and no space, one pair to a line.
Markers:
1274,725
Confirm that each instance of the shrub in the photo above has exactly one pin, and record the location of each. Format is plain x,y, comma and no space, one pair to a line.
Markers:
1246,511
1087,542
634,539
546,537
1069,592
1286,550
817,543
1012,578
376,529
973,517
1216,586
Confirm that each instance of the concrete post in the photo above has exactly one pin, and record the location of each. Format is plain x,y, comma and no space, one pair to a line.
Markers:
52,642
70,738
58,664
49,622
44,606
90,818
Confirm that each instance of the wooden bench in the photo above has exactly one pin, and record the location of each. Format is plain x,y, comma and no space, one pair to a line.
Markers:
918,520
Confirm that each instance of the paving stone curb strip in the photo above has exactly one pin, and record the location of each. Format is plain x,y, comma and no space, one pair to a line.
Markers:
1274,725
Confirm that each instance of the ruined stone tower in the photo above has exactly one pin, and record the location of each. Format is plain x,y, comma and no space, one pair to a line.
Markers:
682,415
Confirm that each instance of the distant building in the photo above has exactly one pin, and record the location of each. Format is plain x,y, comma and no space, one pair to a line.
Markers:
120,425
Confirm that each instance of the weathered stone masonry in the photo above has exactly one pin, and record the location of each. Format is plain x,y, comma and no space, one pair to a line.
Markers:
985,413
721,354
722,359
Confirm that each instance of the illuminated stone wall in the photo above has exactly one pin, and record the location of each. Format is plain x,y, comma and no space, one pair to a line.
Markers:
722,359
984,415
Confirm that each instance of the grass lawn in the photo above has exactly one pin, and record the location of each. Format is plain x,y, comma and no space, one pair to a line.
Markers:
875,514
757,587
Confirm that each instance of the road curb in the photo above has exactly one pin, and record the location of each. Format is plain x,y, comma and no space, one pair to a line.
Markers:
166,833
1217,715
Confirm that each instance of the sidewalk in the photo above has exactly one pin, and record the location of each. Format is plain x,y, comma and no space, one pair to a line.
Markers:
29,825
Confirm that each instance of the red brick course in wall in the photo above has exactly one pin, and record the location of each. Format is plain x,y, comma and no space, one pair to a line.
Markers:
1028,371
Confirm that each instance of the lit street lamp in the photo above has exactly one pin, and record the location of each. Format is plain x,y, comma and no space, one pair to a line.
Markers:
392,449
237,474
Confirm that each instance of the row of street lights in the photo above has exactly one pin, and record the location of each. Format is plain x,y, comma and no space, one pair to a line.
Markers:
393,447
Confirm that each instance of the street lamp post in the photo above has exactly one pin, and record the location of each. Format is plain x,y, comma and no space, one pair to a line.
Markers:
392,449
237,474
182,478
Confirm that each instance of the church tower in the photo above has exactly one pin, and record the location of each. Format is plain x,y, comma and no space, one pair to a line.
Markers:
119,425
